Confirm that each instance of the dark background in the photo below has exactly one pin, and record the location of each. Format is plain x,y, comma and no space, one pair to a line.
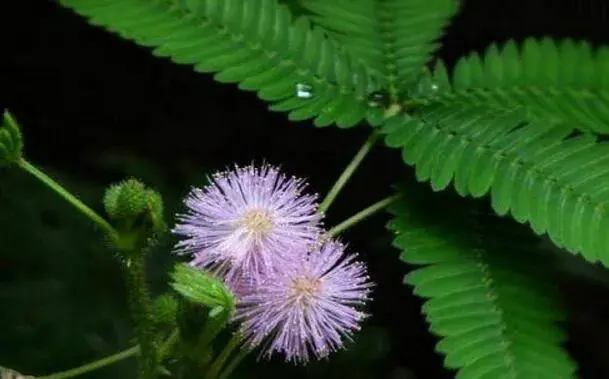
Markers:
95,108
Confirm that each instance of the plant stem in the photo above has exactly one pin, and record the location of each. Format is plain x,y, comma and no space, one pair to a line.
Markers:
232,365
94,365
224,354
363,214
141,312
82,207
134,350
349,170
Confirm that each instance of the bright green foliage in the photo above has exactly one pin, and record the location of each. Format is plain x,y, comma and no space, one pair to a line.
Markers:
254,43
11,142
394,38
486,298
564,81
203,288
557,183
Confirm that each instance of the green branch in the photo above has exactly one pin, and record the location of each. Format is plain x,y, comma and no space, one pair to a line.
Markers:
94,365
349,170
234,342
100,363
363,214
82,207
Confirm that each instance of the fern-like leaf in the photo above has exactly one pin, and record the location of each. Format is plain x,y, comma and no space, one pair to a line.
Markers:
566,82
253,42
485,297
394,38
540,173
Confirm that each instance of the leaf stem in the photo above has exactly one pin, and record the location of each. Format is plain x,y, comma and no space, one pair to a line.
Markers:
82,207
94,365
363,214
214,371
348,172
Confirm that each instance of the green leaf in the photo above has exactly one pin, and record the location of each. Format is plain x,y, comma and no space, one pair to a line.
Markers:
486,296
540,173
203,288
394,38
255,43
566,82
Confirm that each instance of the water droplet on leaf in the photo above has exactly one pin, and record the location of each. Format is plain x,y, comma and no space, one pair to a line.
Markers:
303,91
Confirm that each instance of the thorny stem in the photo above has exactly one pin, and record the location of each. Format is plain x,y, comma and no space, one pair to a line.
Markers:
349,170
82,207
234,342
363,214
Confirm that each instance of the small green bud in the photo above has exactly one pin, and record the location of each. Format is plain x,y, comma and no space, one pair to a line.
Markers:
136,212
154,204
130,200
126,200
201,287
165,310
11,141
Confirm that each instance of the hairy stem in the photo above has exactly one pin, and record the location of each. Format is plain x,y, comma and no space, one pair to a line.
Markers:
82,207
217,365
362,215
141,312
349,170
94,365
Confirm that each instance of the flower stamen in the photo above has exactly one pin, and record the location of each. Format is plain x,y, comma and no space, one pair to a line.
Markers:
304,290
257,223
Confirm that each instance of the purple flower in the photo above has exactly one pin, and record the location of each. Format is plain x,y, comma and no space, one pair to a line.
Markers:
308,307
246,221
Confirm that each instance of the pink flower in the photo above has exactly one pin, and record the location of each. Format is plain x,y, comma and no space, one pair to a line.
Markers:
307,307
247,221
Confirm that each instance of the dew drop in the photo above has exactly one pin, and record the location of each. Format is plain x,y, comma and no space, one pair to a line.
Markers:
378,99
304,91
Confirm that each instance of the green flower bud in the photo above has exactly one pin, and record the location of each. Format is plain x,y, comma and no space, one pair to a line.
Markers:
136,212
165,310
126,200
203,288
129,200
11,141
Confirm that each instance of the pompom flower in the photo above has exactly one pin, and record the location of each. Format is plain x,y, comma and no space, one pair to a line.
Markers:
246,220
307,308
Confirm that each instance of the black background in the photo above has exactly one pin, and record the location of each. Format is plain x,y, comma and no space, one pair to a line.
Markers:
95,108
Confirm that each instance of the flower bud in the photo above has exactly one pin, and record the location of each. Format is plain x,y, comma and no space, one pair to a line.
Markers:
126,200
11,142
165,310
203,288
136,212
